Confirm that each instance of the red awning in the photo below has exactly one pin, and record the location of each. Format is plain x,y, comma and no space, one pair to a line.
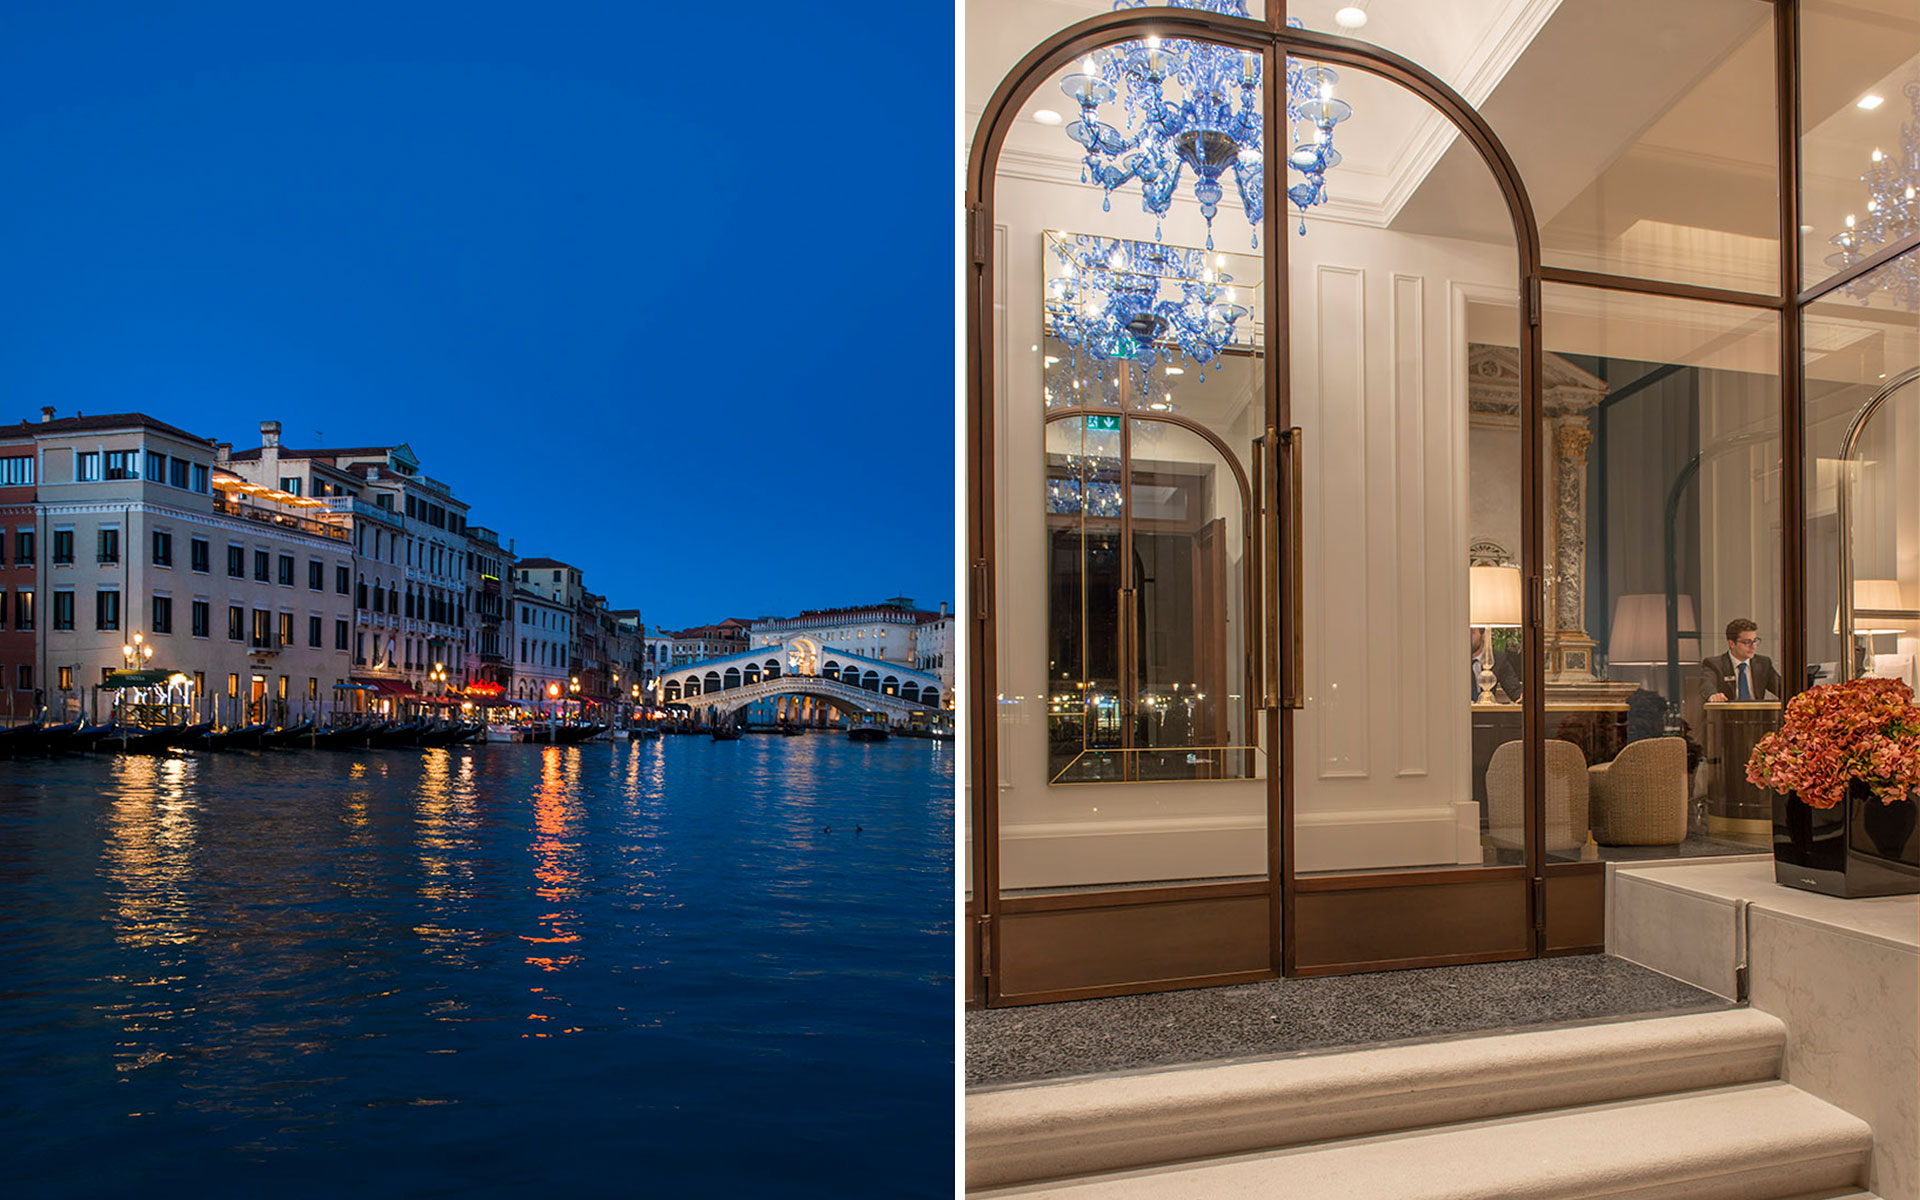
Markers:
390,687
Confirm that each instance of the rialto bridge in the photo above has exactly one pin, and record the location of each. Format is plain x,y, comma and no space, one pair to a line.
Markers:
806,684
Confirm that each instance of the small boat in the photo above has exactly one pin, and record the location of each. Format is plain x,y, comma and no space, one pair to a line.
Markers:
88,736
869,727
726,733
642,733
57,739
791,730
287,735
20,739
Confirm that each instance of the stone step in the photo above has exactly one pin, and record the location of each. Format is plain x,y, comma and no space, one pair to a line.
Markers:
1761,1141
1081,1127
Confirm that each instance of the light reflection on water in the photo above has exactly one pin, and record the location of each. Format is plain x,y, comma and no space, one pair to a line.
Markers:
539,963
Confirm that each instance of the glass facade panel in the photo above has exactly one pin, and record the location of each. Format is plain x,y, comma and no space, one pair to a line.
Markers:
1863,480
1645,132
1661,451
1130,389
1860,130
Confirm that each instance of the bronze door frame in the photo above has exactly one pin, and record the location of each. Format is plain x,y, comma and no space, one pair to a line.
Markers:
1274,41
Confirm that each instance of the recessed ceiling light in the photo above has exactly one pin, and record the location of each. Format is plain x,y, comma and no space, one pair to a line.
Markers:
1869,103
1351,17
1046,116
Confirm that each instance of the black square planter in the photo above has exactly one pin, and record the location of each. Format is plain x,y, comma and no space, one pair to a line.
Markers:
1860,848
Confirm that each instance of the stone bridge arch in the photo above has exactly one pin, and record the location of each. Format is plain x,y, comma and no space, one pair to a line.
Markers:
724,704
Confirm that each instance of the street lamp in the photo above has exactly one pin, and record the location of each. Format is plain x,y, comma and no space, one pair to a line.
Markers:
136,652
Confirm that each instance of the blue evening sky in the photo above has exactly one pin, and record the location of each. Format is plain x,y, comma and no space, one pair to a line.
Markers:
660,289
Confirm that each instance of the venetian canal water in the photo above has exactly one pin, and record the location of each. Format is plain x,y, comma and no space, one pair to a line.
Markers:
671,968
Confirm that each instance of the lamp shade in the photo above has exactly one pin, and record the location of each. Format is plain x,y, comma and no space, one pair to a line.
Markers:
1639,636
1872,595
1493,595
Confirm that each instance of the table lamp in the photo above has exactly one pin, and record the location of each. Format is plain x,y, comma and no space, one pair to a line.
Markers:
1493,598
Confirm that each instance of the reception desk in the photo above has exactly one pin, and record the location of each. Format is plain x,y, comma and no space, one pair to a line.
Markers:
1736,809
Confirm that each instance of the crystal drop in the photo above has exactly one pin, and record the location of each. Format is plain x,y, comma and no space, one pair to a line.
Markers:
1106,202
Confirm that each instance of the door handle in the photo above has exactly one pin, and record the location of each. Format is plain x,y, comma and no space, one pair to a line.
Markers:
1270,529
1295,691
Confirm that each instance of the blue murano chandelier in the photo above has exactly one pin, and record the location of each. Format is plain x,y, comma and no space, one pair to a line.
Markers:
1892,213
1140,302
1195,106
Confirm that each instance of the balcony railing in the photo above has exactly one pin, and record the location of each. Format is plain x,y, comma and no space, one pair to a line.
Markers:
267,516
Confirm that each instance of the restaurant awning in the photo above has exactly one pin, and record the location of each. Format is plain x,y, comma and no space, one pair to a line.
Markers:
391,687
136,679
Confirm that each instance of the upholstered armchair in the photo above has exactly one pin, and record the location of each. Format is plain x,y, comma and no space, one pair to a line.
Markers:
1640,798
1567,797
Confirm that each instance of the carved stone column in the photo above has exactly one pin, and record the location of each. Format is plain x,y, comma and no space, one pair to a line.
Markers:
1569,647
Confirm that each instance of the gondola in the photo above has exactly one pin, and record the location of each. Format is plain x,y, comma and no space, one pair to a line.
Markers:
287,735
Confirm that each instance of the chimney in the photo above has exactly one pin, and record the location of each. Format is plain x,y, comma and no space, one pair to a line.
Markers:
269,433
222,451
46,413
943,609
270,453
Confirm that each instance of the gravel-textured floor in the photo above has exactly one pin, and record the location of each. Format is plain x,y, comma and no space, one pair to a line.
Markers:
1044,1041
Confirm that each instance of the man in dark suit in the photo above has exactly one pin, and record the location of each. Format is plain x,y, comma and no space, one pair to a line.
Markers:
1741,673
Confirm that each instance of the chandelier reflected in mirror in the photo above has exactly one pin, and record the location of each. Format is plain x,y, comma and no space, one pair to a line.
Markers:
1143,303
1195,106
1891,213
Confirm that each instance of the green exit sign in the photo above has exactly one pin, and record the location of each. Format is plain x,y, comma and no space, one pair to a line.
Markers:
1097,423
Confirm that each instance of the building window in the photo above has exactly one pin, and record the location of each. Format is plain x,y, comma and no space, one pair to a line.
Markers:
262,562
314,628
202,619
26,677
379,600
233,686
313,688
359,649
383,500
16,472
200,478
163,614
286,629
290,485
340,635
106,608
63,609
280,689
23,610
156,467
360,595
23,548
202,556
162,549
262,629
286,570
236,623
236,562
123,464
88,470
199,681
316,575
66,679
177,474
109,545
343,581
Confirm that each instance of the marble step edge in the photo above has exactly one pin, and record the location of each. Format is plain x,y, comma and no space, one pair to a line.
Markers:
1757,1141
1077,1127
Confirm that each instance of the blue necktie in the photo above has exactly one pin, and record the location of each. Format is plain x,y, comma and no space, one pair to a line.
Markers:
1746,693
1473,689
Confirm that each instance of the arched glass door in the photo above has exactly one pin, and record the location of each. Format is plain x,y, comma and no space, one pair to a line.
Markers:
1166,570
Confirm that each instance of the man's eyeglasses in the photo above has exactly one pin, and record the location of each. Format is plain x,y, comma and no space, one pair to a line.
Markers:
1749,641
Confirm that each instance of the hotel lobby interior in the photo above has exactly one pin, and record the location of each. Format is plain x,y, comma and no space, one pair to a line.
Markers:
1385,559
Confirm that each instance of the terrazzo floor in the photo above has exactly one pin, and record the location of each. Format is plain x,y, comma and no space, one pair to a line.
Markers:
1124,1033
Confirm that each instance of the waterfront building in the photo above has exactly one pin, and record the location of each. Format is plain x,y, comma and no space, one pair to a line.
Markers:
543,641
703,642
145,550
19,573
490,658
410,535
884,632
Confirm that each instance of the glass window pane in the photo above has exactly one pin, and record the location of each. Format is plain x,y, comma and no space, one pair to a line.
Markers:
1645,132
1661,448
1863,490
1129,389
1859,96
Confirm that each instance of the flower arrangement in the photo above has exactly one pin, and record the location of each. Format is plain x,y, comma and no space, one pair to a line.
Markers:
1865,729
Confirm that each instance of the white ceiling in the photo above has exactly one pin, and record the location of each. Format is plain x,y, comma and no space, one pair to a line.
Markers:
1639,125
